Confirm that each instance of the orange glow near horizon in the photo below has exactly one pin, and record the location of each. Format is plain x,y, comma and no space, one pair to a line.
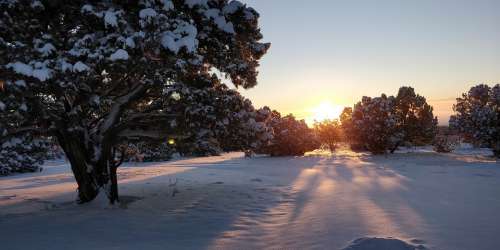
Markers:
324,111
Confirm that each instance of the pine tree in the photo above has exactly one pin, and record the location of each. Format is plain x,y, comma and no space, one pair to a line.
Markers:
374,124
290,136
415,120
383,123
95,74
477,116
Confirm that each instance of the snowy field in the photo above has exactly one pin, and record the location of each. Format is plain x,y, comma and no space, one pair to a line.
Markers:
440,201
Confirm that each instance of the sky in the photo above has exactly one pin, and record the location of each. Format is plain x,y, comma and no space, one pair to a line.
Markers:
338,51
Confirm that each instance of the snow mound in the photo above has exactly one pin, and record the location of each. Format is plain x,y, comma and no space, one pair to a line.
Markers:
119,55
368,243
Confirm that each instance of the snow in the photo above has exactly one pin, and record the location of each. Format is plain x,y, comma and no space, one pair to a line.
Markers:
183,36
23,107
192,3
36,4
167,5
40,71
110,18
130,42
119,55
46,49
80,67
321,201
219,20
87,8
147,13
21,68
232,7
374,243
20,83
222,24
42,74
64,66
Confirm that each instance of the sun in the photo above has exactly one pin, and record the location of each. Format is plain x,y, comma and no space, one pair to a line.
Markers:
325,111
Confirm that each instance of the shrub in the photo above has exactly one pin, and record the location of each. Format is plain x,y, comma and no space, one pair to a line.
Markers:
290,137
328,133
383,123
477,116
445,143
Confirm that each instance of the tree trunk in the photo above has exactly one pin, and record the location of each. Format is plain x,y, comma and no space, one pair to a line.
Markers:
395,147
496,149
75,152
113,190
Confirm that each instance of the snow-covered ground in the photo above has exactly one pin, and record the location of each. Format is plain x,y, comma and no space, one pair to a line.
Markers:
442,201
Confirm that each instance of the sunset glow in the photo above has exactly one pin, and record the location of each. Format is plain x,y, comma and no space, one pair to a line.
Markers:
324,111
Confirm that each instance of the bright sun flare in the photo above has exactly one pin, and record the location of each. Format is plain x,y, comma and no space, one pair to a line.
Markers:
325,111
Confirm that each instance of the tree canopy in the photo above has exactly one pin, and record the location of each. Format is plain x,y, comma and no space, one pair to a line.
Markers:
97,73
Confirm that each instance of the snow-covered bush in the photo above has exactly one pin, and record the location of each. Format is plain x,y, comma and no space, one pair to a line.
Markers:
383,123
415,119
94,73
21,154
217,119
374,124
21,149
477,116
290,137
328,133
445,143
348,131
147,151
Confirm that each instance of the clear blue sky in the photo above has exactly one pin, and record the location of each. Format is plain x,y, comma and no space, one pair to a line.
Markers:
338,51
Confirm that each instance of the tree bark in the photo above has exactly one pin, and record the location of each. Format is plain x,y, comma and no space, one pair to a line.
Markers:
113,191
75,152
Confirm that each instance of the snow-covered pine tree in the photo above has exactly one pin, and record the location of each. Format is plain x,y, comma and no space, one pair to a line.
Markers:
290,136
415,121
477,116
348,131
216,119
95,73
383,123
147,151
21,149
246,129
21,153
374,124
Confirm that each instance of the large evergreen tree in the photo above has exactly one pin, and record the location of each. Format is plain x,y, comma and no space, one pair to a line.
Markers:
216,119
95,73
415,121
290,136
374,124
383,123
477,116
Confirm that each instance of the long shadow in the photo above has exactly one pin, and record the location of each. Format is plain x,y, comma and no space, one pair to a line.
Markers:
427,201
195,223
